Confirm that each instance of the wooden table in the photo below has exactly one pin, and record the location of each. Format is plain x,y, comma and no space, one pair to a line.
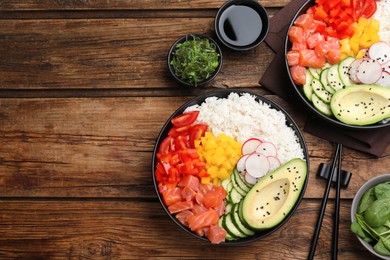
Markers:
84,92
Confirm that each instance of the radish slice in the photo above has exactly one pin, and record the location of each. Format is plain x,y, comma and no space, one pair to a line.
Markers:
257,165
386,67
380,52
241,164
267,148
352,71
250,145
250,179
384,79
273,163
369,71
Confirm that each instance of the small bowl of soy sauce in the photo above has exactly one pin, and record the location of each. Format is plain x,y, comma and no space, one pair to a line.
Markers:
241,24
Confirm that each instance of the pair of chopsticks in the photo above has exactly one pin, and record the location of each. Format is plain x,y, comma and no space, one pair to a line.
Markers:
336,159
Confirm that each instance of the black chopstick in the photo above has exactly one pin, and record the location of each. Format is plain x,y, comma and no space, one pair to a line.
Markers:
313,246
337,206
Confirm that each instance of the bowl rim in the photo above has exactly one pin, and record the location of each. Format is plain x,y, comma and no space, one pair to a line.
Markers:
187,37
355,203
303,99
223,94
264,18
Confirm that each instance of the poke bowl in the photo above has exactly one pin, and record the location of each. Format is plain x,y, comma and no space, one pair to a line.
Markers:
338,61
230,167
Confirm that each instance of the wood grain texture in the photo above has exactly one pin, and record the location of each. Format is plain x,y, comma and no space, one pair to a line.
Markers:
128,230
25,5
102,147
126,54
84,92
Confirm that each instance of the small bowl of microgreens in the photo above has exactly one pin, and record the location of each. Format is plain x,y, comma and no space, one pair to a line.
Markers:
370,215
194,59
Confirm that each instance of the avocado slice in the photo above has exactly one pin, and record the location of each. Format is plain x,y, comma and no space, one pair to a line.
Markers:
271,199
361,104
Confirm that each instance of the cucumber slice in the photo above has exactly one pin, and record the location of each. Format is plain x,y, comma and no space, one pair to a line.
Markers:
236,186
315,72
240,215
343,70
229,237
307,89
235,196
221,224
334,78
324,81
229,186
225,183
320,91
231,228
321,106
241,183
228,208
237,221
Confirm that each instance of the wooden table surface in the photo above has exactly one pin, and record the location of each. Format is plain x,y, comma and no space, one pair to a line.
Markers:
84,92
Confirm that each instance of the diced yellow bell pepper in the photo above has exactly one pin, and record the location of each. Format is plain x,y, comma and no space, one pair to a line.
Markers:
220,153
361,54
205,180
223,174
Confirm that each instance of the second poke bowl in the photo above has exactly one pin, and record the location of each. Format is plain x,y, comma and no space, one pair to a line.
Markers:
230,167
338,60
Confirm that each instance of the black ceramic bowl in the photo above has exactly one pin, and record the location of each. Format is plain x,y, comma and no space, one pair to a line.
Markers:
224,94
241,24
298,90
355,204
190,37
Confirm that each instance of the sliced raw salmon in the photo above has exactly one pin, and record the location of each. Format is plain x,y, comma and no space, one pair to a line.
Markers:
216,234
180,206
296,46
333,56
220,209
171,196
292,58
197,209
204,219
298,74
322,48
190,181
204,188
304,20
212,199
308,58
183,216
314,39
188,194
296,34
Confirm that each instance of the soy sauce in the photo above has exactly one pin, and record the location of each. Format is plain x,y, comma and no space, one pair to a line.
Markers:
240,25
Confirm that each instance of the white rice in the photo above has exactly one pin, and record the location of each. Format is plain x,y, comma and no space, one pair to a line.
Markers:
382,15
242,117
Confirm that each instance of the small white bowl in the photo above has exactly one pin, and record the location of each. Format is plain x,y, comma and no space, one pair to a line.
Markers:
355,203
